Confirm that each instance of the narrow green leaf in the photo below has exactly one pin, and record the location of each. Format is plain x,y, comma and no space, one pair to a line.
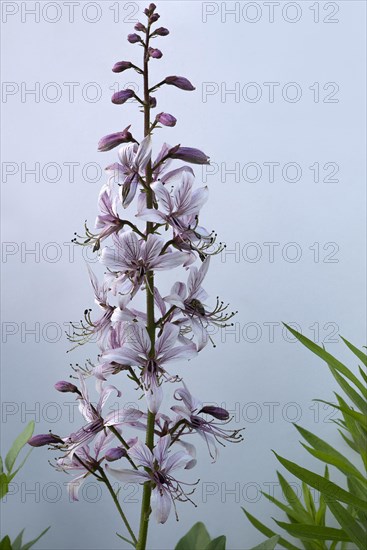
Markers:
358,417
293,514
327,451
4,485
354,396
126,540
13,474
268,532
217,544
1,466
360,354
5,544
17,542
328,488
348,523
334,461
328,358
363,374
196,539
29,545
18,445
291,496
269,544
313,532
307,497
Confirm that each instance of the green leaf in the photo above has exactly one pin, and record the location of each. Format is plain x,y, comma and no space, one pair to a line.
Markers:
313,532
1,466
348,523
296,516
358,417
354,396
360,354
268,532
13,474
291,496
5,544
217,544
29,545
18,445
196,539
4,485
328,488
307,497
126,540
17,542
328,454
269,544
330,359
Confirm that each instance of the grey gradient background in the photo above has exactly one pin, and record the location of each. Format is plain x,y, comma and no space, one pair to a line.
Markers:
246,373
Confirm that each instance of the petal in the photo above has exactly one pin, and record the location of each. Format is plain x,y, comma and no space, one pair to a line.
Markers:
143,154
161,504
128,476
151,249
154,395
142,455
167,339
176,461
74,485
175,175
161,449
179,352
123,356
163,196
169,260
152,215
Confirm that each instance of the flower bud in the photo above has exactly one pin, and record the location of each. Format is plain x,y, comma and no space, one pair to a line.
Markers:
66,387
121,66
140,27
152,102
166,119
113,140
153,18
161,31
115,454
122,96
180,82
216,412
189,154
134,38
152,7
44,439
154,52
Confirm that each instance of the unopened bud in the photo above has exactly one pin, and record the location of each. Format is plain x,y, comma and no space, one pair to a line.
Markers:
115,454
140,27
152,102
180,82
44,439
66,387
154,52
166,119
113,140
122,96
189,154
134,38
121,66
216,412
161,31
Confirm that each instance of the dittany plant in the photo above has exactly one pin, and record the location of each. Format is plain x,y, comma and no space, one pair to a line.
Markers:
314,526
8,470
138,346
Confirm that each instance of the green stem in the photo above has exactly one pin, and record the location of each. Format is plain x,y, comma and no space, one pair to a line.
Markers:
116,501
147,489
